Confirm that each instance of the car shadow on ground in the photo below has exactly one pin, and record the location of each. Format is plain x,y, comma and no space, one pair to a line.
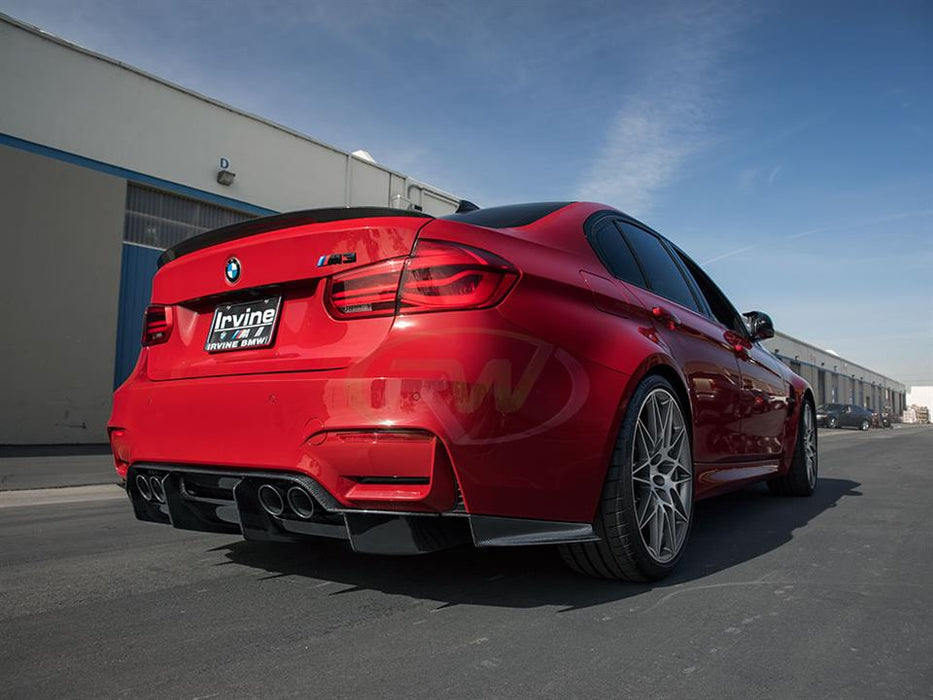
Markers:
727,531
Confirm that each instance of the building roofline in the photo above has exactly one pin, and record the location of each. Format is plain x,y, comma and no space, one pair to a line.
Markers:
48,36
849,362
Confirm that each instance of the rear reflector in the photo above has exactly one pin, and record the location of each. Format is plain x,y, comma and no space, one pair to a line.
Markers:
120,450
438,276
376,437
157,324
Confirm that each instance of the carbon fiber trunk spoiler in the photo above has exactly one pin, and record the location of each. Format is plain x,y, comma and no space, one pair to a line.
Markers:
276,222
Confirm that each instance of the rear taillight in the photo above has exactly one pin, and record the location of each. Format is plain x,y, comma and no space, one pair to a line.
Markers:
366,291
157,324
443,276
438,276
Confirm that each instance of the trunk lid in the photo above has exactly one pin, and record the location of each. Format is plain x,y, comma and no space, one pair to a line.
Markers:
292,257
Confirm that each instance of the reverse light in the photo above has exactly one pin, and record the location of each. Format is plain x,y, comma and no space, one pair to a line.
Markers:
157,324
442,276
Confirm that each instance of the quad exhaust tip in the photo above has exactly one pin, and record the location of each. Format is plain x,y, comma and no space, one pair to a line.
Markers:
158,491
300,502
271,500
296,499
142,485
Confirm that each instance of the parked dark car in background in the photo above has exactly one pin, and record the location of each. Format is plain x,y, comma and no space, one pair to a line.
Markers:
843,415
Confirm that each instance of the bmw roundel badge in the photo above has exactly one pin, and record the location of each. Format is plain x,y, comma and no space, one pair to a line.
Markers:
232,270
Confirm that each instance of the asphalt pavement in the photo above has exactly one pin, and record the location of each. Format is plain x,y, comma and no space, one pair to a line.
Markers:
826,597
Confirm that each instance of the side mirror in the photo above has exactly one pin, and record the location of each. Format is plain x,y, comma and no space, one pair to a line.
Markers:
759,325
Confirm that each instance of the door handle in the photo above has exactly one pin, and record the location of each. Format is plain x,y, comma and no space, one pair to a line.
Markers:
736,342
666,317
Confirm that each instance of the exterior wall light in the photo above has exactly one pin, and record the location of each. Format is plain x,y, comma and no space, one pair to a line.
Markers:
225,176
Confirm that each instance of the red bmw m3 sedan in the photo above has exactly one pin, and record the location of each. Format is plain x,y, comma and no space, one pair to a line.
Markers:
551,373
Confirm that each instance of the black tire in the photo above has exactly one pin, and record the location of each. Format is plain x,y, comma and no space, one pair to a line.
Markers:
865,425
621,553
833,423
799,481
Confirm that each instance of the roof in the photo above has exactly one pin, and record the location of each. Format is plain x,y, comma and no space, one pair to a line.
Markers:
509,216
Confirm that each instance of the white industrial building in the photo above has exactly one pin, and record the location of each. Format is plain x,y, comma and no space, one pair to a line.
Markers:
102,166
837,380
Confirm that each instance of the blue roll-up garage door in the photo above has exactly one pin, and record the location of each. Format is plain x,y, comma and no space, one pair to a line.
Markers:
136,271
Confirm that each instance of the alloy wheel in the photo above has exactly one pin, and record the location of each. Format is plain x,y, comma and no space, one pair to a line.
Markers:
662,476
809,443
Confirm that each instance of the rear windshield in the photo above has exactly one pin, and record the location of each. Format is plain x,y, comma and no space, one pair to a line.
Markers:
511,216
830,407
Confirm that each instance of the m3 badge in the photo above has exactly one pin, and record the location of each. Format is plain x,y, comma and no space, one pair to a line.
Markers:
336,259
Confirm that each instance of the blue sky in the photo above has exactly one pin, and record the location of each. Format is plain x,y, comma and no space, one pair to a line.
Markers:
788,146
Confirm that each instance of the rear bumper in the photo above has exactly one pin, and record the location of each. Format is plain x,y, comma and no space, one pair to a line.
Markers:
229,501
514,426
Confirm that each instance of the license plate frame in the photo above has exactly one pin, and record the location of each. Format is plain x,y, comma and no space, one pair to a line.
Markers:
231,328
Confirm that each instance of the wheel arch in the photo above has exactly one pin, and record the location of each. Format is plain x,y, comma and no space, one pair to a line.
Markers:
808,396
792,424
662,366
680,386
655,365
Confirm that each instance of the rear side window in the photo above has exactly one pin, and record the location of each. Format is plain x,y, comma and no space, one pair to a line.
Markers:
718,304
664,277
614,252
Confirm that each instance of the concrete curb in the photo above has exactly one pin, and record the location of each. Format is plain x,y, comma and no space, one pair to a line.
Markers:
70,494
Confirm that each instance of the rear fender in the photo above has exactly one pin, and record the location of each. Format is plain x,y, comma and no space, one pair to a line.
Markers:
801,393
659,364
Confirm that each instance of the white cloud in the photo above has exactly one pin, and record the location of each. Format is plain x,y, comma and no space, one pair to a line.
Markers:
885,219
917,257
750,177
747,179
645,146
775,173
729,254
666,118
